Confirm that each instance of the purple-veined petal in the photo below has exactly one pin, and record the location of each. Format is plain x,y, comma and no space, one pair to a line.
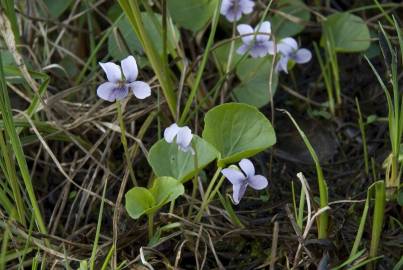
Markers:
112,71
184,137
247,167
234,176
258,182
238,192
246,6
170,132
246,32
105,91
140,89
129,68
265,29
303,56
259,50
121,92
243,49
233,15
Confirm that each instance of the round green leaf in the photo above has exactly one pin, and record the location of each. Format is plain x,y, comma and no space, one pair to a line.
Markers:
139,201
192,15
347,32
167,160
254,74
237,131
290,18
166,189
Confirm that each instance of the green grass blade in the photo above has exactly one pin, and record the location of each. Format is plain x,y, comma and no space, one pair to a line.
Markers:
323,191
5,108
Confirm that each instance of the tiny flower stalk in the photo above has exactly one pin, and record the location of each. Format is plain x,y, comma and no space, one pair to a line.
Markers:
124,142
206,198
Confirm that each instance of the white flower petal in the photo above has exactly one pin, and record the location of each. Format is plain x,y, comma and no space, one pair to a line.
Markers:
140,89
303,56
170,132
234,176
282,64
246,6
184,137
129,68
225,6
247,167
112,71
258,182
290,42
105,91
265,28
238,192
246,32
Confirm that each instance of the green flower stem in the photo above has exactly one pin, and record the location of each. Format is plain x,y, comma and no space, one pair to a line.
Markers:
150,226
217,187
206,198
194,181
124,142
203,63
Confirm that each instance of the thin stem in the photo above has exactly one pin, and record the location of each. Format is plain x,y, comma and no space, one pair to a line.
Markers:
195,180
124,142
206,197
150,226
379,213
228,67
202,64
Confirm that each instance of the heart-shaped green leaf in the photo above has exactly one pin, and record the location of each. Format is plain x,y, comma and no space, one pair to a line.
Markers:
347,32
140,201
192,15
237,131
167,160
290,18
254,74
166,189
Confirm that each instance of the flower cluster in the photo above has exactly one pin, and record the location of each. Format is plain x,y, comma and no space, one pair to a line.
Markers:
256,41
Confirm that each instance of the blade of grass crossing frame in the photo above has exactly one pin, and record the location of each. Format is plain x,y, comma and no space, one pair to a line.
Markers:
15,142
323,191
132,11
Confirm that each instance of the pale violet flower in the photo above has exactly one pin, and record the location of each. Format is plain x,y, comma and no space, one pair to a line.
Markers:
242,179
289,51
120,80
256,41
183,137
233,9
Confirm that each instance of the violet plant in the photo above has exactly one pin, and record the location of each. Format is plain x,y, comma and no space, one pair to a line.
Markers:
120,81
